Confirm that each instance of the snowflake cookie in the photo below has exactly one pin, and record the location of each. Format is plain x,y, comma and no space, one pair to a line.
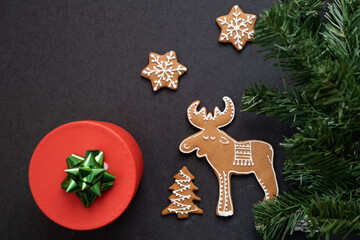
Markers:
237,27
163,70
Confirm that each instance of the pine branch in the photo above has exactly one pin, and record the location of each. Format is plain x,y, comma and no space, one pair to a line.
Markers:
322,56
288,105
341,29
285,27
297,211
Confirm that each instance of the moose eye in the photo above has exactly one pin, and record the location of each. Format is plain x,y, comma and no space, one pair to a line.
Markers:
206,138
213,138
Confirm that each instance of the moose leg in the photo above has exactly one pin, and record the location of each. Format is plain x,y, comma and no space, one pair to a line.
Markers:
267,181
225,206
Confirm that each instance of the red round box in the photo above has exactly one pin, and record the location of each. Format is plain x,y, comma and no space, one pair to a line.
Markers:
48,162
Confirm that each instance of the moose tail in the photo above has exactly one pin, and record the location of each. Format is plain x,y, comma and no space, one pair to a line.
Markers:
270,154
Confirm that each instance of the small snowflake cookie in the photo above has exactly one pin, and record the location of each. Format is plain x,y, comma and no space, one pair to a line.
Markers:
183,195
237,27
163,70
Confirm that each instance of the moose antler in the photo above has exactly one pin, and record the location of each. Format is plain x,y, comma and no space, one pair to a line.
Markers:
195,117
225,117
220,118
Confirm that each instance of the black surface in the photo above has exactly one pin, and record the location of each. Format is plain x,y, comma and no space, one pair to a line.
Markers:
65,61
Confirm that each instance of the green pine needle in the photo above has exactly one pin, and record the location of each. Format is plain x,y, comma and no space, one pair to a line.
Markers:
321,53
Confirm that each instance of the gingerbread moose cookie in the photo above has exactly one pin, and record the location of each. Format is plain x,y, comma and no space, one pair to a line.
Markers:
183,195
227,156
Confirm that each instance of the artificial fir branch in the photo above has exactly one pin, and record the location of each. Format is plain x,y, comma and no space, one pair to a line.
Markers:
322,56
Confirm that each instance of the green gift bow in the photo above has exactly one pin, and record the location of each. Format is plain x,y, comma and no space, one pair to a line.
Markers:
87,176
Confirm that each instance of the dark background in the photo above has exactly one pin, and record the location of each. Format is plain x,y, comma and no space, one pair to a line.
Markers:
64,61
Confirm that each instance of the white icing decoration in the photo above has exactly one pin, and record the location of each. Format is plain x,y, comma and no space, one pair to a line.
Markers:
220,192
210,117
212,138
224,194
206,138
225,191
164,70
237,26
186,146
183,208
264,189
222,140
243,155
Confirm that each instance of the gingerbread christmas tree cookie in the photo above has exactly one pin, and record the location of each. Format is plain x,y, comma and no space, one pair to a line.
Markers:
237,27
163,70
183,196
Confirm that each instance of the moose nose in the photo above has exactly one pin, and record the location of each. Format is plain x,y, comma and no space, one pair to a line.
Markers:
185,147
